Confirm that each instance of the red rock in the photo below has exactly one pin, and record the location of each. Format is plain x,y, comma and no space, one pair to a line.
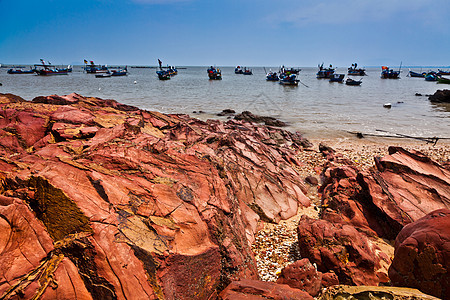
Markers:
342,249
329,279
302,275
142,204
255,290
405,187
422,255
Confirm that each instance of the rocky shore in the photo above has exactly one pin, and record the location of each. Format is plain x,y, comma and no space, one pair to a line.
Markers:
100,200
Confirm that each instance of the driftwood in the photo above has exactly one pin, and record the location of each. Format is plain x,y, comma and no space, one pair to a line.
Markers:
428,140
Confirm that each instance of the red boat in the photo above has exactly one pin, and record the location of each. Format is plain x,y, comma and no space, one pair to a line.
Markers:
48,69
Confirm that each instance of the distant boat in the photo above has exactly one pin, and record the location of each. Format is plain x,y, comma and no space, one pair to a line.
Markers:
48,69
350,81
387,73
441,72
163,75
103,75
214,74
415,74
356,72
20,71
247,71
337,78
443,80
120,72
325,72
238,70
290,70
289,80
272,76
94,69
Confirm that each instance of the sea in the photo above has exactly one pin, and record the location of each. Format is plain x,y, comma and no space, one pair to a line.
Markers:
316,108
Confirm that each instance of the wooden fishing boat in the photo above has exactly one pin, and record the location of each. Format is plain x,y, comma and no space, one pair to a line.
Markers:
120,72
356,72
387,73
325,72
247,71
94,69
415,74
289,80
337,78
20,71
272,76
350,81
163,75
441,72
214,74
103,75
46,69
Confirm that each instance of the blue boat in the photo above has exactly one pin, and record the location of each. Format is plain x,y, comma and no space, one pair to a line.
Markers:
20,71
163,75
337,78
325,72
289,80
431,76
415,74
120,72
238,70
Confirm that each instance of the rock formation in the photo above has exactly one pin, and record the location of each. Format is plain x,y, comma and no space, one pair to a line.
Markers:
102,200
422,255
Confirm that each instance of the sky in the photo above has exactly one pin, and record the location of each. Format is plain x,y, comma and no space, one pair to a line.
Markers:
226,33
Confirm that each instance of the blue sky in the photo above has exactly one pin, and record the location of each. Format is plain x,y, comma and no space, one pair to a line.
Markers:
226,33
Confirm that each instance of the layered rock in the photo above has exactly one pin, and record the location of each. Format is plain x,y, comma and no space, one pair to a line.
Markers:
125,203
404,187
342,249
422,255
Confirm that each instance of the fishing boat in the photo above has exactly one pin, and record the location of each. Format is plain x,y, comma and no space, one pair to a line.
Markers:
290,70
443,80
20,71
415,74
337,77
163,75
238,70
247,71
356,72
272,76
387,73
289,80
93,68
103,75
441,72
350,81
48,69
120,72
172,71
431,76
214,74
325,72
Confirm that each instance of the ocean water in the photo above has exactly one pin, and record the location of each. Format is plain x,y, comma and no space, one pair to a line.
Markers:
316,108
